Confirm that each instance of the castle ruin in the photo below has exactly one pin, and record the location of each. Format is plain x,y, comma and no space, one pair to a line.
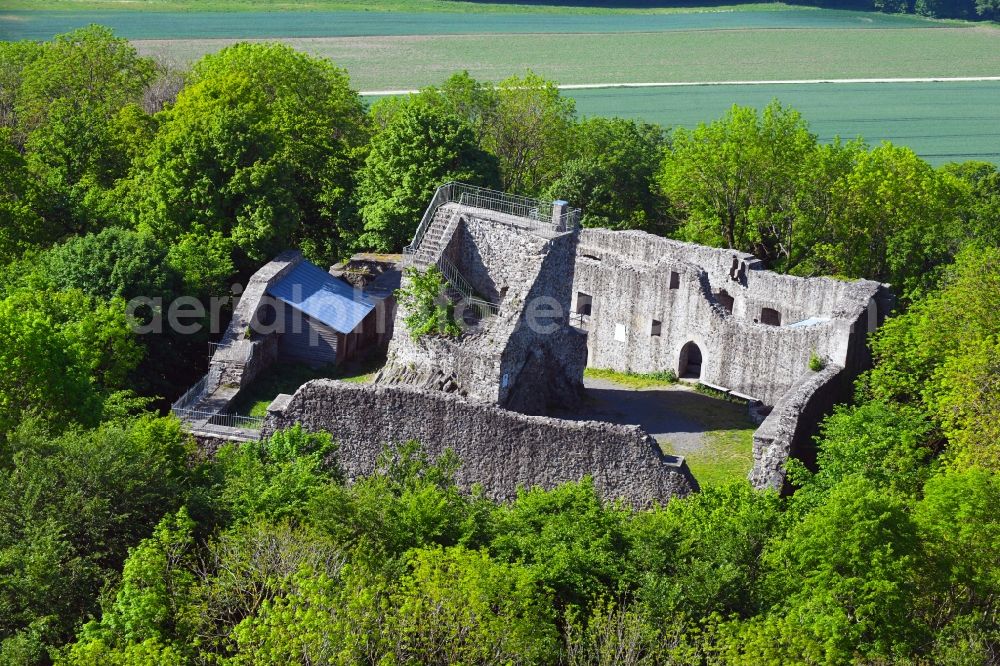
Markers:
542,300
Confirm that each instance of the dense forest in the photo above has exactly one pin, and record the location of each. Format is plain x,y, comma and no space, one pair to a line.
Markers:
121,543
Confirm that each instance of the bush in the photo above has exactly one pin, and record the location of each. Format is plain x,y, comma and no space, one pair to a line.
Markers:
429,312
816,362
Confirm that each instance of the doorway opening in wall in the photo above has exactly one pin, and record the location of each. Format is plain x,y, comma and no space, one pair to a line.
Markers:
584,303
689,364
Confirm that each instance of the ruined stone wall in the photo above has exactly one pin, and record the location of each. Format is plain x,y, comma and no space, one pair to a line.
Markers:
635,279
789,429
527,357
499,449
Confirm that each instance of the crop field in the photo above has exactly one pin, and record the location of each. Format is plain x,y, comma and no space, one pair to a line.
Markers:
942,122
393,51
394,63
246,25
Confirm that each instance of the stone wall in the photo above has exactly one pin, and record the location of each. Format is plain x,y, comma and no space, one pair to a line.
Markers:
499,449
789,429
526,358
715,299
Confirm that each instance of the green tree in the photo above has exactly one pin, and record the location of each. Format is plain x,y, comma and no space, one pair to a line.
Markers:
61,354
703,555
260,146
89,67
460,606
735,181
888,443
70,110
611,174
70,508
276,478
845,580
421,148
895,220
959,526
570,540
14,56
941,355
980,221
529,128
409,501
114,263
21,227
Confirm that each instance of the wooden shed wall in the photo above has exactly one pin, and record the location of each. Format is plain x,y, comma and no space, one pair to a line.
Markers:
308,341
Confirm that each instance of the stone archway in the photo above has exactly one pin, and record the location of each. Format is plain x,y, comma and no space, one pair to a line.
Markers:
689,363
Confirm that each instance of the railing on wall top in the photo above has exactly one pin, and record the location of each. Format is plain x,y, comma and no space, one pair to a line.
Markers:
250,349
191,396
483,307
536,214
198,417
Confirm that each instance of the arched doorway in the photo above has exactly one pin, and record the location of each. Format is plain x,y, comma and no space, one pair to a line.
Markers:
689,364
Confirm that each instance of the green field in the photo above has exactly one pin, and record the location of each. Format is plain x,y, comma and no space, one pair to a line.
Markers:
556,7
942,122
245,25
593,45
404,62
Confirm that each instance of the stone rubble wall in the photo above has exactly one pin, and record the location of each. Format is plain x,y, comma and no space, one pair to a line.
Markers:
239,362
629,277
504,361
499,449
789,429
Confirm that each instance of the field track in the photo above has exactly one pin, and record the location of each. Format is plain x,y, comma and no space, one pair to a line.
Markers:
682,84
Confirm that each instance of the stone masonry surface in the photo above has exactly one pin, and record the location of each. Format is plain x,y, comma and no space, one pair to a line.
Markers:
499,449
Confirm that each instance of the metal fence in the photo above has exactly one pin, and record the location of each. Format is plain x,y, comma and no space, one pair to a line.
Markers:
237,421
191,396
534,213
216,347
482,307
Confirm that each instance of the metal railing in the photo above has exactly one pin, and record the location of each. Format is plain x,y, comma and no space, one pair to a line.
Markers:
191,396
441,196
536,214
216,347
412,251
207,418
482,307
579,320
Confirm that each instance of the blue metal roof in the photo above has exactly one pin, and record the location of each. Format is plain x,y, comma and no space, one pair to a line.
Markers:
323,297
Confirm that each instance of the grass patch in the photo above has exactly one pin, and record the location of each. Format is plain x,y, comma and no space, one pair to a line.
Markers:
635,380
726,454
288,377
726,457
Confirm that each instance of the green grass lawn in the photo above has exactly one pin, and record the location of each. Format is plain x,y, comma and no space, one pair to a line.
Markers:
727,451
288,377
635,380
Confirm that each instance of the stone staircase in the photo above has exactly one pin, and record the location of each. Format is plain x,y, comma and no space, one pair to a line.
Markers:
435,238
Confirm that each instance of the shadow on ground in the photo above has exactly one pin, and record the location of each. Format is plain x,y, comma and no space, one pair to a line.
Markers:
715,436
